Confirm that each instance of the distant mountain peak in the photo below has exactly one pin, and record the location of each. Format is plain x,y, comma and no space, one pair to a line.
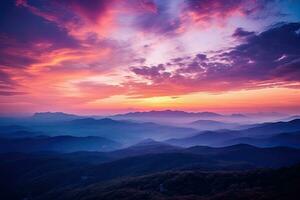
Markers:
241,146
150,142
147,141
238,115
54,116
169,113
90,120
37,114
291,118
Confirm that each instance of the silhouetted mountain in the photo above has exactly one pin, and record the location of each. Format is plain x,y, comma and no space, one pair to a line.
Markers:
260,157
38,174
95,122
238,115
16,131
119,130
12,128
123,131
291,118
232,157
282,139
273,128
251,135
173,117
20,134
147,146
147,141
204,138
278,184
58,143
212,125
54,116
168,113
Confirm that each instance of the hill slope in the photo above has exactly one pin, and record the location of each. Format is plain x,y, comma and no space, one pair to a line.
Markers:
195,185
58,143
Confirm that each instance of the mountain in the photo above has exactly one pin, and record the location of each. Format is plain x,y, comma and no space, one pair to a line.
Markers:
194,185
212,125
260,157
147,146
94,122
39,174
20,134
168,113
12,128
202,157
204,138
119,130
17,131
168,117
256,135
53,116
273,128
123,131
283,139
291,118
238,115
58,143
174,117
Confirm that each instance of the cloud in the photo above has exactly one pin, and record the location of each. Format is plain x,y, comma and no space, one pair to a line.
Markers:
268,59
8,86
11,93
266,52
53,51
241,33
5,80
205,12
80,19
100,18
154,72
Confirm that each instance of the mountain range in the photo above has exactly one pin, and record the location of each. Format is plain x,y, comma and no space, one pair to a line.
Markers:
147,155
266,134
122,131
38,174
212,125
193,185
57,143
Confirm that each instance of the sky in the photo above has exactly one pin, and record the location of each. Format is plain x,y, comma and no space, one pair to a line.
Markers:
111,56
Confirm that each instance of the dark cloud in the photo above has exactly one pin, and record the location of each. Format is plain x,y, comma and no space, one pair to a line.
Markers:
201,57
241,33
271,57
289,71
266,52
154,72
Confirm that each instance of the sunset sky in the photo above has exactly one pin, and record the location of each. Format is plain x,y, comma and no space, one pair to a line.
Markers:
110,56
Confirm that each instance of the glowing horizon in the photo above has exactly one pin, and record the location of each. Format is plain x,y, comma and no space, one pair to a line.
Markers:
111,56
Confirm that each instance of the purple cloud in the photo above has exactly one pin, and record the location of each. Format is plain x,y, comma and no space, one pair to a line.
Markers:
241,33
271,57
